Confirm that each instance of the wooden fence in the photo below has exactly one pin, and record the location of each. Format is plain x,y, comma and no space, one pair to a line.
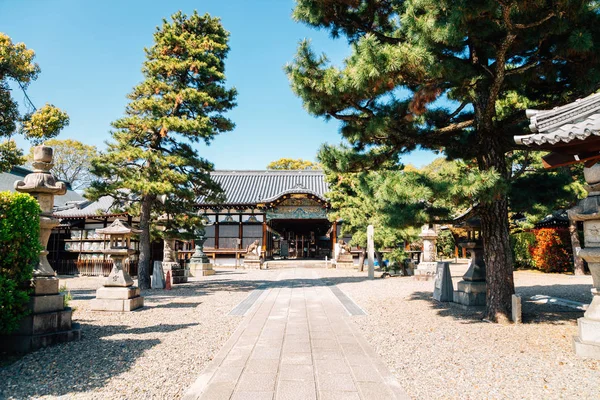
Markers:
91,267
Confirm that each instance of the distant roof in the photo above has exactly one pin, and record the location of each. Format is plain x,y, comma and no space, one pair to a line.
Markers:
7,182
571,131
251,187
88,209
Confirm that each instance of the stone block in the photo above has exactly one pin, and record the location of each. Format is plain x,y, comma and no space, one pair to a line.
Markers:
345,265
36,324
25,343
585,349
47,303
158,276
589,330
45,286
117,305
179,279
121,293
472,287
469,299
252,264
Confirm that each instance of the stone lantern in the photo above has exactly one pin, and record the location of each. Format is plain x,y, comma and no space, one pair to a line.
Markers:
472,289
427,265
49,321
587,342
199,263
178,273
118,292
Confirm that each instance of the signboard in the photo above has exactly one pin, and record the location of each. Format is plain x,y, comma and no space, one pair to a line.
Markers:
284,249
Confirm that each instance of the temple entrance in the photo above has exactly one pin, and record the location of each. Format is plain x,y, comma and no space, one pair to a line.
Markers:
301,238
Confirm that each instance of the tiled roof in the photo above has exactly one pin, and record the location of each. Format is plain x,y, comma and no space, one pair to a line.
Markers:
573,121
251,187
7,182
87,208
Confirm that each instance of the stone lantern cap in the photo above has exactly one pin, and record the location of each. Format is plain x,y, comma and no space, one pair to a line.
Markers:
427,232
118,227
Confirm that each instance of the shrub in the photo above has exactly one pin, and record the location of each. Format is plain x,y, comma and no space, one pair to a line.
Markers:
552,251
445,243
19,252
521,244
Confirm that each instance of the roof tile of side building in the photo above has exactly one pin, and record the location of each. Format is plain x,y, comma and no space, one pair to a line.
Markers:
251,187
574,121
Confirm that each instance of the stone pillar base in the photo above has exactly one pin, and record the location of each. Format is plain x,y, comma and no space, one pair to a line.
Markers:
345,265
587,343
252,263
179,274
201,269
49,322
425,270
470,293
117,299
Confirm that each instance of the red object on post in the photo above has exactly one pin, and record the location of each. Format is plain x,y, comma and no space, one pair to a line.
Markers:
168,283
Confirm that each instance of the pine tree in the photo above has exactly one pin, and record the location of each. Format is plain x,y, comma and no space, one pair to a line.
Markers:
451,76
17,65
181,101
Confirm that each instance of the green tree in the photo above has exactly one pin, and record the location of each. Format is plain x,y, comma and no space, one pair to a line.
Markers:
451,76
72,161
181,101
17,66
292,164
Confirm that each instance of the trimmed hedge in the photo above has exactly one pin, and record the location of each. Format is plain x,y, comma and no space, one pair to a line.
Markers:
19,252
522,244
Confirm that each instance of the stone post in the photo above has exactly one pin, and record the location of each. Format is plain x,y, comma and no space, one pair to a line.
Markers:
371,251
427,267
587,342
49,321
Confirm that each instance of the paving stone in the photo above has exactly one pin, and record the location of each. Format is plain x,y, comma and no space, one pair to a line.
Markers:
366,373
250,382
229,374
262,366
296,358
373,390
338,383
296,347
253,396
323,395
325,367
219,391
290,372
296,390
327,354
324,344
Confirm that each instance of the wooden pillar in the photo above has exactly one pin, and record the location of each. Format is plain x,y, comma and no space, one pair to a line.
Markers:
455,251
216,235
334,235
464,252
264,235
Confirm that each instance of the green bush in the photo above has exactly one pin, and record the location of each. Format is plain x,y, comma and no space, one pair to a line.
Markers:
521,244
19,252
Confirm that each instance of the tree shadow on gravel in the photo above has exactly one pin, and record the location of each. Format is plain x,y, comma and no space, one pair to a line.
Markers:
173,304
80,366
449,309
82,294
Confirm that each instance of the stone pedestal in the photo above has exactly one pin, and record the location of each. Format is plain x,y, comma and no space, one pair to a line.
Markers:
49,322
425,270
471,291
201,269
252,261
179,274
345,261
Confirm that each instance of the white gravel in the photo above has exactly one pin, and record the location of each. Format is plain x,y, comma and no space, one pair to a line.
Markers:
439,351
152,353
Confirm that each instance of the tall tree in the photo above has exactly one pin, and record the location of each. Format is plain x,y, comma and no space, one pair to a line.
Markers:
293,164
453,76
17,66
181,101
72,161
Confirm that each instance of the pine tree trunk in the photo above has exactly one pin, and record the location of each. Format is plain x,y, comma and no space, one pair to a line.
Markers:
144,263
496,243
361,260
578,266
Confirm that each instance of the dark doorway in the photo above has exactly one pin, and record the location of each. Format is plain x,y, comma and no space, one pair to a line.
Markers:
301,238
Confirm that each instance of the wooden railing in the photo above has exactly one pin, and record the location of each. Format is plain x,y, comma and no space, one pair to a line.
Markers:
91,267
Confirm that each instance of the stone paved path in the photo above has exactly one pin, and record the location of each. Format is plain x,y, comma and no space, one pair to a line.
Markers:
296,342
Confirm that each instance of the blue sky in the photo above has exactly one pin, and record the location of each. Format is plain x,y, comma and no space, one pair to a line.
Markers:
91,52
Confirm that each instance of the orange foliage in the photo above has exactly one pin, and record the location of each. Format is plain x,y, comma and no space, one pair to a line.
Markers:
552,250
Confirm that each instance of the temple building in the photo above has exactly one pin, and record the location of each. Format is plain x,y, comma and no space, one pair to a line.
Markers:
286,211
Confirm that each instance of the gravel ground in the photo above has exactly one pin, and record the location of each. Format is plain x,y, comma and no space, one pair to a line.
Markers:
436,350
439,351
152,353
